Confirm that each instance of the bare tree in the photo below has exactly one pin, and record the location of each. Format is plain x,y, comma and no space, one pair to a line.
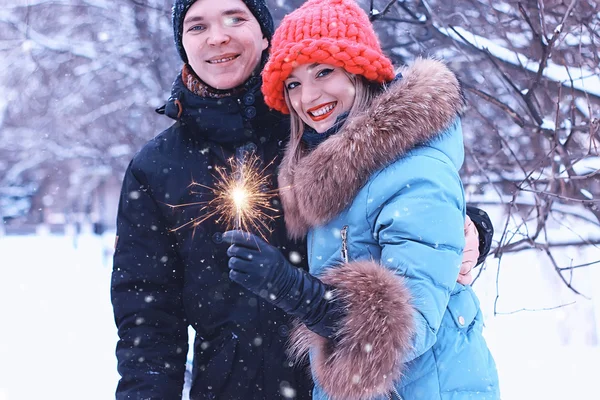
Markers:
530,70
81,81
81,90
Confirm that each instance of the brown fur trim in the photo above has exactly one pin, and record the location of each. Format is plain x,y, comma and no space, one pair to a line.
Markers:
411,111
366,358
301,340
295,224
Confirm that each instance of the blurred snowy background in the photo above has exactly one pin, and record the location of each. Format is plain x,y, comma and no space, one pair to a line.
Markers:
57,335
80,80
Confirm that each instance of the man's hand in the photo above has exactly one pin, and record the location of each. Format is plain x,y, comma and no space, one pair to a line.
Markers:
264,270
255,264
470,253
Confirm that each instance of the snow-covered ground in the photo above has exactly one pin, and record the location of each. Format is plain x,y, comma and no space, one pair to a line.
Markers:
57,334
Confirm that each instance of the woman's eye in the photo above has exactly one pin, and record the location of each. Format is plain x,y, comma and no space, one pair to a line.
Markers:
324,72
197,28
292,85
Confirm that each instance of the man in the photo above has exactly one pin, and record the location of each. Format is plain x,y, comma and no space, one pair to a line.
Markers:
165,278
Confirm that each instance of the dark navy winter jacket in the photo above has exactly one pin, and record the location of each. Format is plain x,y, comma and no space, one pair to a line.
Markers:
165,278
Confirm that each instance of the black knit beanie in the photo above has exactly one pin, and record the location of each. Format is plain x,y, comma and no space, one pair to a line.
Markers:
257,7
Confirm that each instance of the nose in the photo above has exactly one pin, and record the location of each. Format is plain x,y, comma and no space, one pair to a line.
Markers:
310,93
217,36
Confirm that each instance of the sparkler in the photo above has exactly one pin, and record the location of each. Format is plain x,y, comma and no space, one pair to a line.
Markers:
239,199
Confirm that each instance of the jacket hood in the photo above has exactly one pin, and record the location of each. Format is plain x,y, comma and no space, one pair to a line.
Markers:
316,187
221,120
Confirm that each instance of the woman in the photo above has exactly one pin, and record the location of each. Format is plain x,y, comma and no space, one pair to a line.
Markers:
382,316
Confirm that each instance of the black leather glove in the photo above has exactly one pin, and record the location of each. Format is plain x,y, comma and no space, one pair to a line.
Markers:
264,270
484,228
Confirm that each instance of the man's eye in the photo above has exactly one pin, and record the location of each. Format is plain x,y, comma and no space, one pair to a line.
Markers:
197,28
292,85
324,72
232,21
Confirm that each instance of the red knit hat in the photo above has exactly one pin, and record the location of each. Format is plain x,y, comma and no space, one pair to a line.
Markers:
335,32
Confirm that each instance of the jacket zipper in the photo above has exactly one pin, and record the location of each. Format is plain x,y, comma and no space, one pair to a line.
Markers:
311,249
344,253
394,391
344,235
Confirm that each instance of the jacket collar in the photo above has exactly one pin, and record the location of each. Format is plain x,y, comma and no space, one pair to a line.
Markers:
221,120
317,186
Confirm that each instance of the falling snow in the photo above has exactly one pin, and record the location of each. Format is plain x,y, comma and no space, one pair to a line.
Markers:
526,360
295,257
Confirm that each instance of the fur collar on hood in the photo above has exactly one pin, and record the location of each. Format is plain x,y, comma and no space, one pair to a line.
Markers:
409,112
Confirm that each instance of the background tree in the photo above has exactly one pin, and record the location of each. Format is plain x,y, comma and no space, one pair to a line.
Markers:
81,79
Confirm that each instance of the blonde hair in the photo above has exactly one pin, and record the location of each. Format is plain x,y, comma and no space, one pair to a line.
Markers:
365,92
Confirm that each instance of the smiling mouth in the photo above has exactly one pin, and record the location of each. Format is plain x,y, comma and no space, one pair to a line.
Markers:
322,111
223,59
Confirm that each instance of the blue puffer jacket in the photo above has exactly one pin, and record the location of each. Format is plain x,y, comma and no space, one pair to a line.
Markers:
385,226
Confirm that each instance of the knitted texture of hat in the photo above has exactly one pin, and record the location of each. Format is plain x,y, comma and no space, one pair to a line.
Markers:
258,8
335,32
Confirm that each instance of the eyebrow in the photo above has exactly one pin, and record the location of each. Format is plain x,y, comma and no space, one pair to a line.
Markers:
199,18
235,11
193,19
313,65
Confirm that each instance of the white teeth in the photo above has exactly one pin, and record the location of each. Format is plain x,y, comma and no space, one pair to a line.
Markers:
221,60
322,111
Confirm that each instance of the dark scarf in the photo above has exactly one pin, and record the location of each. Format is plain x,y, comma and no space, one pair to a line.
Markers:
312,138
198,87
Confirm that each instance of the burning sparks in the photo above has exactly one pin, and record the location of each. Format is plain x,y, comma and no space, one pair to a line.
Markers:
239,199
